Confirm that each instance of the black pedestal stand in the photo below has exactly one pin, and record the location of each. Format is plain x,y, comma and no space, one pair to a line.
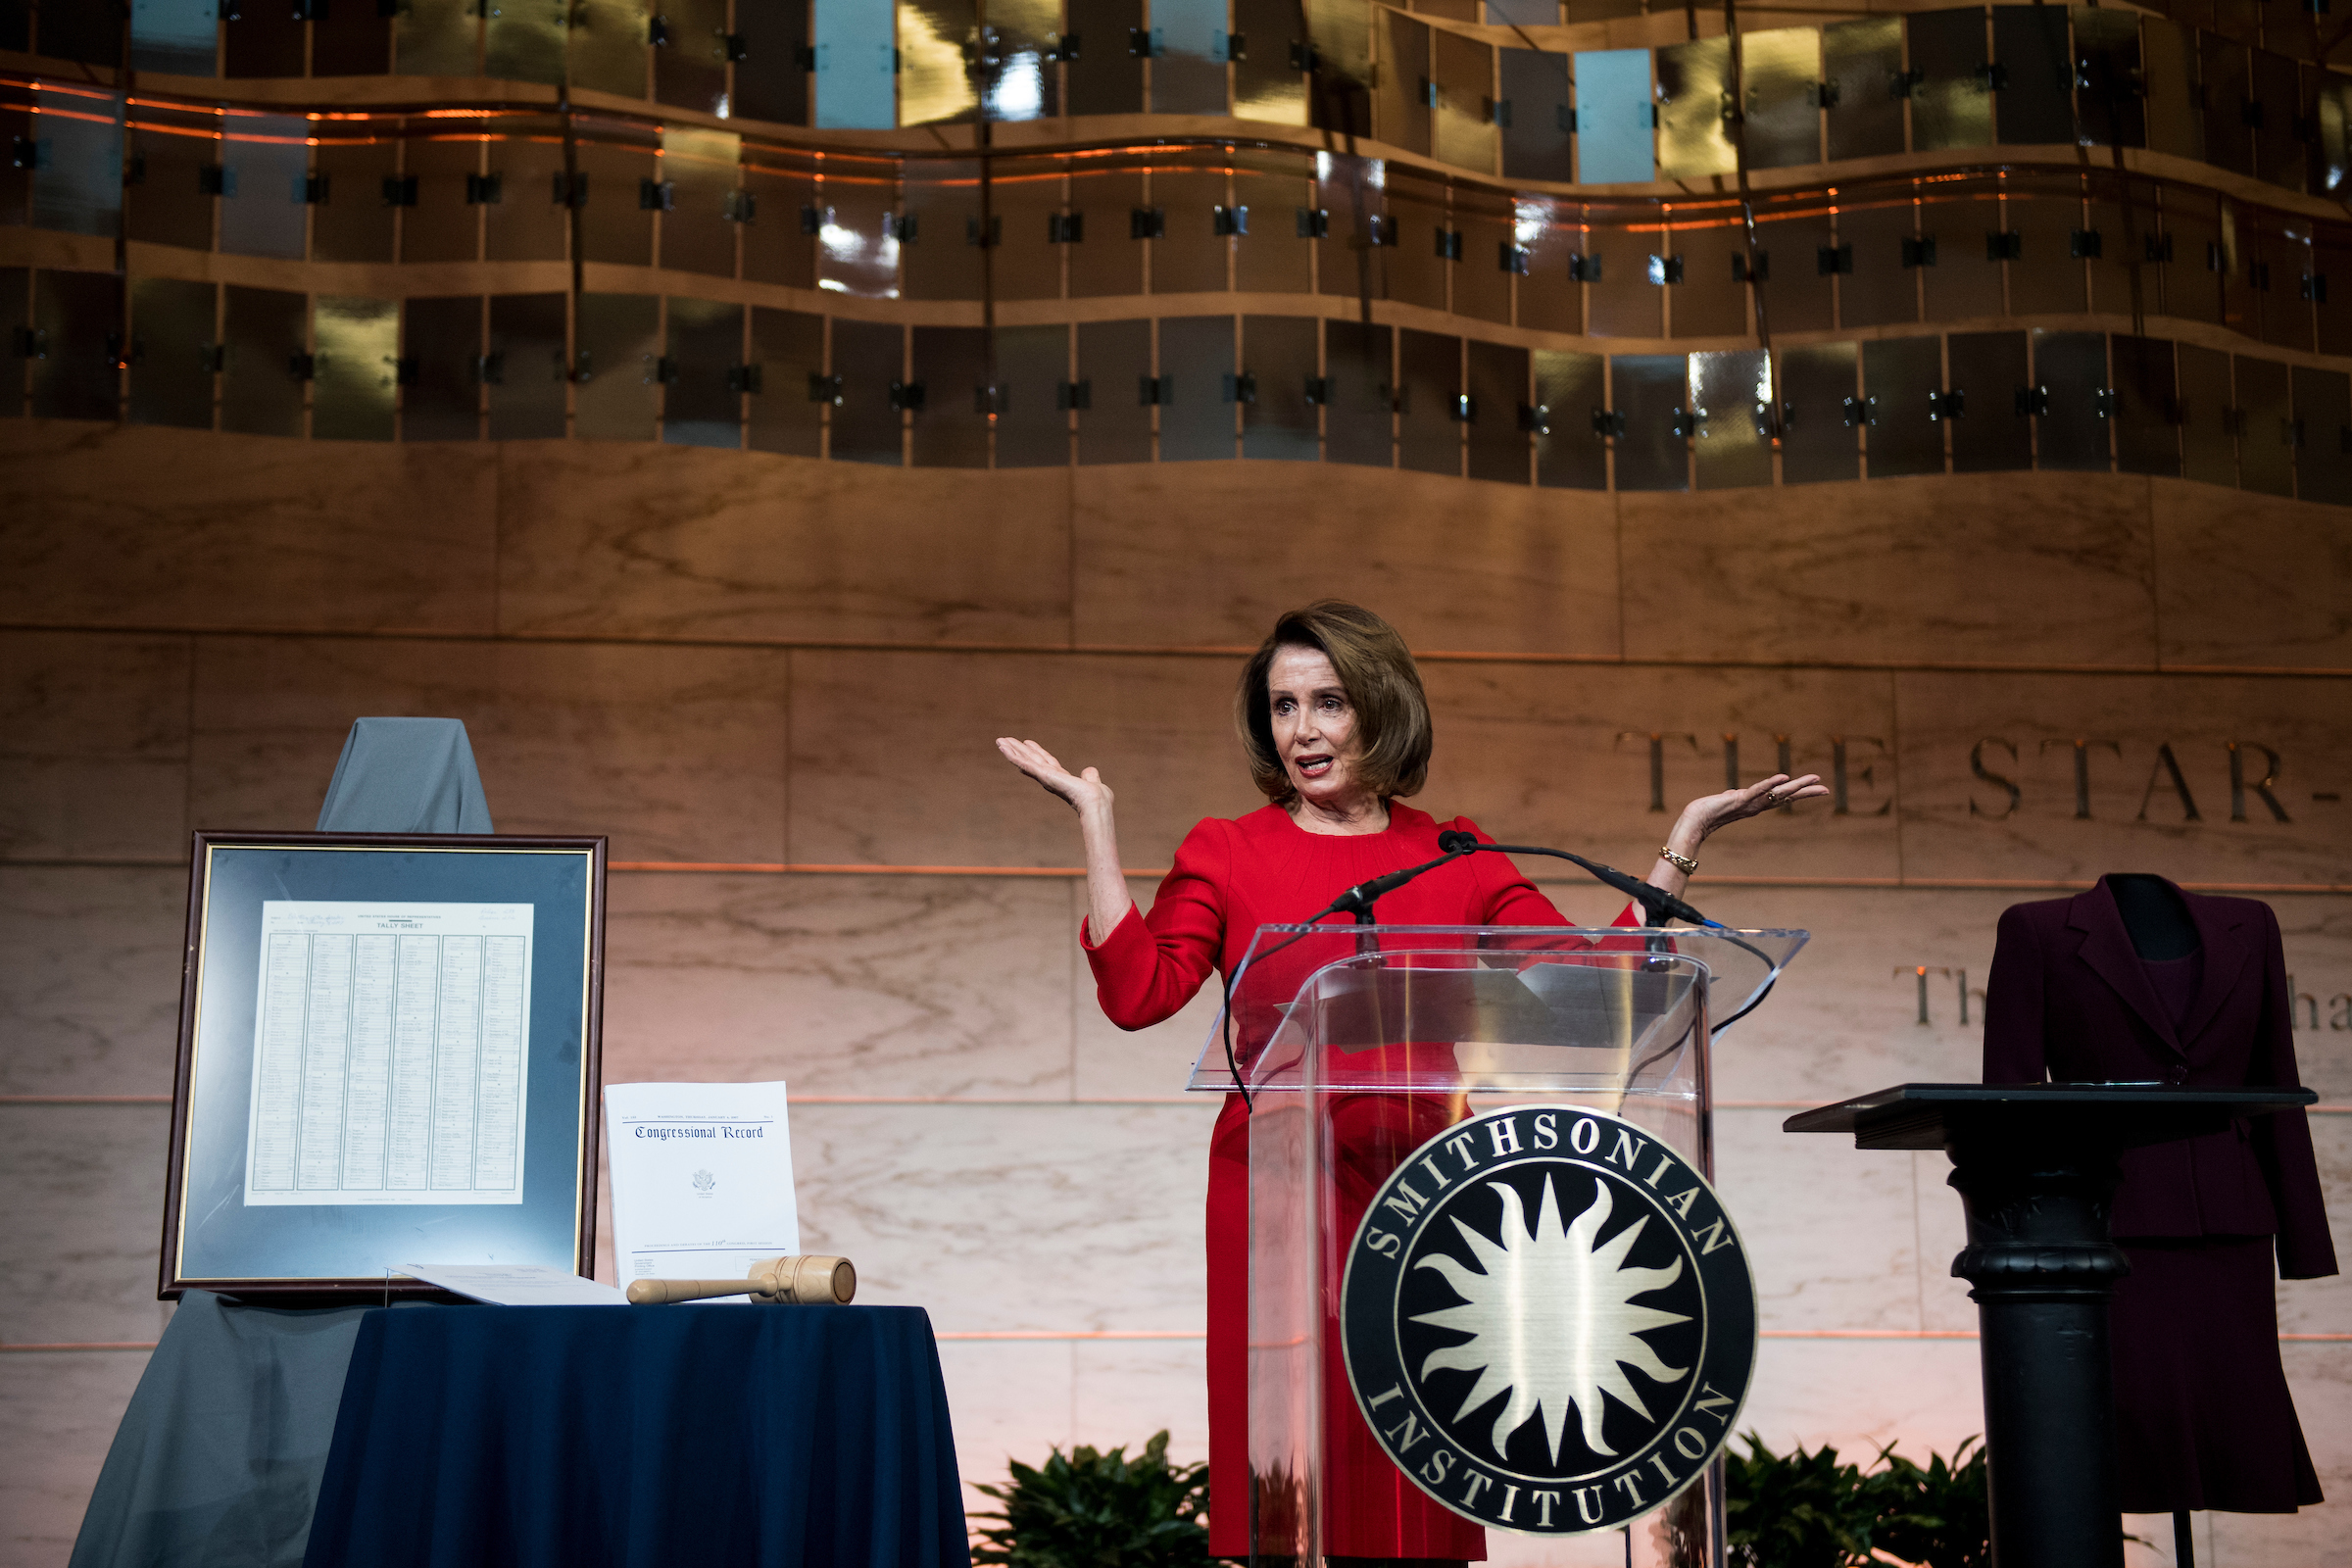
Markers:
2035,1166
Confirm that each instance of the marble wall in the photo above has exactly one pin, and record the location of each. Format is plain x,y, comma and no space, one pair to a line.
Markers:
774,684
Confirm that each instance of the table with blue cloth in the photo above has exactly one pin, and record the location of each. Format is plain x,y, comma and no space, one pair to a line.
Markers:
574,1437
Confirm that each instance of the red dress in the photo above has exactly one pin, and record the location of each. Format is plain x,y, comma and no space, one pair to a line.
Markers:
1230,878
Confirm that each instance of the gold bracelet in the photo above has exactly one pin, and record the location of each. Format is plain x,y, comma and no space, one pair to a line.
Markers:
1684,862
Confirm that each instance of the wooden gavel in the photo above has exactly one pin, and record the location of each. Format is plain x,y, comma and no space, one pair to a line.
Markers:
772,1282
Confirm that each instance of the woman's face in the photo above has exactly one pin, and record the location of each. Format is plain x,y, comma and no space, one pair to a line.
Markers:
1315,725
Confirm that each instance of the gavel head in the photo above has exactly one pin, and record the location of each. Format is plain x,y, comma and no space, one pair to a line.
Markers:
804,1281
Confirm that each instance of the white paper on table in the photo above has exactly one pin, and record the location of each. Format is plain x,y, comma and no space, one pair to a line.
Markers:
516,1284
702,1180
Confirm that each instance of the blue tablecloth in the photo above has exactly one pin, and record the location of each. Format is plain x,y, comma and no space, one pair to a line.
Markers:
576,1437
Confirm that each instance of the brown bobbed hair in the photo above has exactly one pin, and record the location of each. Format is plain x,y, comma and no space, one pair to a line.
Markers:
1383,686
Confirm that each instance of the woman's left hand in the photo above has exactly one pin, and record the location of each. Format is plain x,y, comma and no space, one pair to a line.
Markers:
1711,812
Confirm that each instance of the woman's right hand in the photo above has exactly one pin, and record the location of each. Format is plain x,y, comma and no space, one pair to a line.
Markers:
1083,791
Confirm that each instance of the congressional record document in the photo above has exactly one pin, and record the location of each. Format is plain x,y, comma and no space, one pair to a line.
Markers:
391,1053
516,1284
702,1179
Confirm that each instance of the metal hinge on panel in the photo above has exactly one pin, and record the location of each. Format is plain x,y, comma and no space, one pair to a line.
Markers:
1899,84
1463,409
2290,432
1427,97
1305,57
663,369
1318,390
1143,43
1065,228
1762,273
1855,413
740,207
216,180
1384,230
315,189
1920,252
1147,223
400,190
1449,244
2259,275
1535,418
656,32
1584,269
1565,117
2314,287
996,230
1665,269
1151,389
1225,221
2085,244
803,57
2157,247
1063,47
657,195
825,388
1314,223
2004,245
1070,395
570,190
2032,401
30,343
1607,423
1834,258
2105,401
211,357
1512,257
2234,422
304,367
490,369
814,218
1947,405
901,227
735,48
990,400
1820,95
405,371
1240,388
1992,76
746,378
1498,112
906,396
1684,420
483,190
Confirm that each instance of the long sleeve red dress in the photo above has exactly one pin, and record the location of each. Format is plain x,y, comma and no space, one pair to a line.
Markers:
1231,877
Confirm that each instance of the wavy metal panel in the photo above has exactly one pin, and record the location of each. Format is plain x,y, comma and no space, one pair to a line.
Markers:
1537,111
526,223
1278,356
2224,75
2280,156
702,399
1107,77
1267,83
771,81
2147,432
264,333
2191,240
1033,427
1711,240
2069,369
1571,392
1464,71
703,169
78,316
1106,259
1359,415
857,204
1901,425
2046,277
1187,186
2208,405
351,42
866,427
172,334
1412,269
524,42
951,428
1197,412
440,38
779,241
690,69
1881,224
1732,402
1024,198
1619,240
2035,99
1273,185
1780,76
616,354
1481,285
1651,394
786,416
1496,438
266,40
2266,449
1429,381
1817,443
443,225
441,349
1548,233
1988,370
165,202
2169,73
856,85
1400,99
2111,94
528,389
178,36
2323,426
1861,61
1797,295
935,82
1694,93
1962,216
1950,104
1188,57
939,257
77,148
1114,361
355,342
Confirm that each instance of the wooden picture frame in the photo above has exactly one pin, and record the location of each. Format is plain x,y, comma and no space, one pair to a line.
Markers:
389,1043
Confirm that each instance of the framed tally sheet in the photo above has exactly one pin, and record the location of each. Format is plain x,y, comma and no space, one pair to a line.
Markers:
388,1052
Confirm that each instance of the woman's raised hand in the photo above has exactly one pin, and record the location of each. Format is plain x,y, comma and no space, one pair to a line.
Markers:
1711,812
1079,790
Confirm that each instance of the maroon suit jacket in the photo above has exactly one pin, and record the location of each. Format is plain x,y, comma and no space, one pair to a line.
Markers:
2069,1001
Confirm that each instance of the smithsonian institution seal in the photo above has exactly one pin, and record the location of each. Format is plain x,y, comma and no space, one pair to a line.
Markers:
1548,1320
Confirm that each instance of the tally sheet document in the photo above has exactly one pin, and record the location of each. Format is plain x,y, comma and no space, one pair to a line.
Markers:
702,1179
391,1046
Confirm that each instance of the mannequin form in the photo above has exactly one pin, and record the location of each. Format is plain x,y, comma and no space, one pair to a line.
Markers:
2155,916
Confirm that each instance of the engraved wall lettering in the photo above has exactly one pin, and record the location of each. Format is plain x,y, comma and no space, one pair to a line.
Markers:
2168,765
1978,769
2261,786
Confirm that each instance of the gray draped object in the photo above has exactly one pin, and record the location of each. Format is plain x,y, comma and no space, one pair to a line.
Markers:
217,1460
406,776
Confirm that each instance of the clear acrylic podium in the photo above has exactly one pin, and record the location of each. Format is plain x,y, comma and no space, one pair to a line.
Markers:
1357,1044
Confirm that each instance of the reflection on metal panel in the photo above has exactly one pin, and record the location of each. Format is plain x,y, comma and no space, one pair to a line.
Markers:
616,354
437,39
1987,372
770,80
1188,59
2266,436
939,245
1620,300
1949,66
1188,188
351,42
2070,378
2148,433
1360,399
526,223
778,246
1275,253
1412,258
2281,276
2280,156
1401,103
610,44
1107,77
1818,438
77,323
1791,234
1862,62
1018,77
1614,117
702,399
527,366
1883,289
357,355
1114,365
1106,258
1429,386
949,422
1267,83
1278,374
2208,413
788,401
1464,77
2331,114
701,167
16,183
266,40
1197,391
352,221
1650,396
264,346
1571,396
1350,193
1497,425
2224,73
856,88
1780,73
1537,108
2192,275
2324,431
172,338
1483,223
1024,196
1694,96
266,159
2169,68
1548,233
175,35
1961,215
441,365
1905,419
2035,99
2110,88
617,224
167,202
690,69
525,44
2123,230
934,83
1033,421
2332,285
2045,276
869,365
1343,41
78,154
1710,241
1731,404
857,246
445,221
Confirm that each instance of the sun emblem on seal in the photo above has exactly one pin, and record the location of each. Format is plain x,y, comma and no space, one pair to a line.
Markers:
1551,1318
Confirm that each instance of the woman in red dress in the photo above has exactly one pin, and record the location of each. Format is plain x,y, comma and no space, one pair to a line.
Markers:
1337,730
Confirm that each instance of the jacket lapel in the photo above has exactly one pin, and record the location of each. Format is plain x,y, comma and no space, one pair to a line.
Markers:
2226,951
2107,949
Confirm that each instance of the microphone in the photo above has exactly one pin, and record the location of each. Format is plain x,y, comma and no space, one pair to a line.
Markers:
1657,901
1359,900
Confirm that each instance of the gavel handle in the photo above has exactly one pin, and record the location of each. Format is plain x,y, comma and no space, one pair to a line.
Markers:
661,1292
